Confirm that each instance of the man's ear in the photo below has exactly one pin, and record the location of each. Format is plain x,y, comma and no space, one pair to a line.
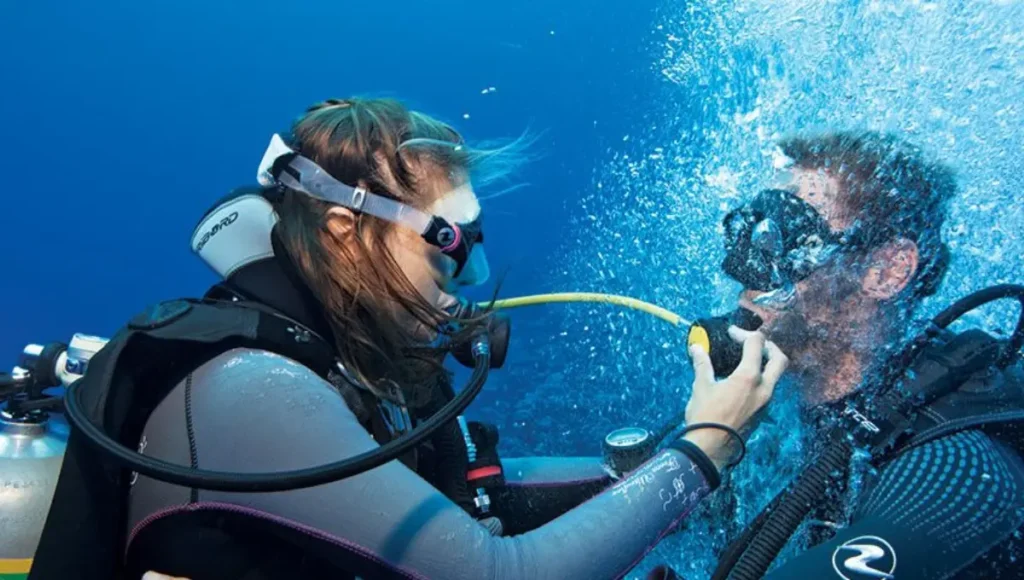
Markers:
891,269
340,222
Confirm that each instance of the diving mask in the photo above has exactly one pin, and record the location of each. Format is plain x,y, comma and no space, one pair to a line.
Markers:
283,166
778,240
461,208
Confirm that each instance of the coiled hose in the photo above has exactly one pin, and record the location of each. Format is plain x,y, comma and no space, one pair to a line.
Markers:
807,492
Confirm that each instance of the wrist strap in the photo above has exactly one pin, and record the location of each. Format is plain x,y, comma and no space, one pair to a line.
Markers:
732,432
700,459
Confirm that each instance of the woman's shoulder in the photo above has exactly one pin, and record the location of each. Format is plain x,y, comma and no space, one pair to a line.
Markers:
257,379
239,363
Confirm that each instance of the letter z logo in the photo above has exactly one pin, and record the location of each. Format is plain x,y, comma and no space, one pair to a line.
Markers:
864,558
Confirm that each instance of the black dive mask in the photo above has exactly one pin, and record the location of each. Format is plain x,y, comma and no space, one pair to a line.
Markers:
777,240
455,240
282,166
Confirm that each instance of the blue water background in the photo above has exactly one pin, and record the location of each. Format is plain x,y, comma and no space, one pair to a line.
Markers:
123,121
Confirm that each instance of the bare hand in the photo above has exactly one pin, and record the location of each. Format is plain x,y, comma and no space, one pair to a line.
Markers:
735,400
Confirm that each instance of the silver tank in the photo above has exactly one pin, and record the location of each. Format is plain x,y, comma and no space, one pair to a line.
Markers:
31,452
32,449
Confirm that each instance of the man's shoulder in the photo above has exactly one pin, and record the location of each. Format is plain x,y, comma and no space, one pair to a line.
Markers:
963,457
970,441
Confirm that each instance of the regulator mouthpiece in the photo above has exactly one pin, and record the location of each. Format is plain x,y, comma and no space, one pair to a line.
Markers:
497,333
778,299
499,329
713,335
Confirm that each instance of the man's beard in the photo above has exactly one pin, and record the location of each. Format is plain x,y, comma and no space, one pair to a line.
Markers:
816,329
792,332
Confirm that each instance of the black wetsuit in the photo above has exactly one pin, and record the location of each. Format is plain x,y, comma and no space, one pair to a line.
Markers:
251,410
952,507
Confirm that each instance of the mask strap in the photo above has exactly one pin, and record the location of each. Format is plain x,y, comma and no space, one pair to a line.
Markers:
282,165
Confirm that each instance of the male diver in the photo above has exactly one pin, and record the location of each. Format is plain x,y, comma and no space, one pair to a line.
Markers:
835,259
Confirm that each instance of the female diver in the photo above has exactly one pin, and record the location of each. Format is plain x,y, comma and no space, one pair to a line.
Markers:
386,296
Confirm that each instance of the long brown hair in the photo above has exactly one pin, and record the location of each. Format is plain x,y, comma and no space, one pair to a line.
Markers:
395,152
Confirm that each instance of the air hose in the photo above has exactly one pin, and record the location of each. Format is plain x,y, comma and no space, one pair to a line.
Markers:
710,333
480,358
563,297
287,480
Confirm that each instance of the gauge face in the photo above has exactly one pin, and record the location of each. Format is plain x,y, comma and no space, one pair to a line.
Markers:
628,437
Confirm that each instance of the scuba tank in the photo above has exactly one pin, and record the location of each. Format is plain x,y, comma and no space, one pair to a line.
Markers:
33,438
31,451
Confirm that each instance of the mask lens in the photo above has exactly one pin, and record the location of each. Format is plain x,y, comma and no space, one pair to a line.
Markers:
473,231
471,262
774,241
475,269
767,238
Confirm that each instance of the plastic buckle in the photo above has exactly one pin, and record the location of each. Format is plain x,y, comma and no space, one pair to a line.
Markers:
358,198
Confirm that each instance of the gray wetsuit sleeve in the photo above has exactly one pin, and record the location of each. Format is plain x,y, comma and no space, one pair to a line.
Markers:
539,489
251,411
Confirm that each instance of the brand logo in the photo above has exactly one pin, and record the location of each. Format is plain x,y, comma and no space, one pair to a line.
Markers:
861,419
217,227
863,558
142,448
446,236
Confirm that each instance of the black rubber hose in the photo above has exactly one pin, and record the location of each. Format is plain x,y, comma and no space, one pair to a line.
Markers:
44,404
980,298
807,493
962,306
8,385
729,557
275,481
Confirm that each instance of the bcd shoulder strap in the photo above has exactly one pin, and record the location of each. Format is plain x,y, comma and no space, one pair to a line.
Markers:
170,339
125,381
937,372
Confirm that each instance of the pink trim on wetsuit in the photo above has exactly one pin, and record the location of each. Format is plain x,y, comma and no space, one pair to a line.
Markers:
309,530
